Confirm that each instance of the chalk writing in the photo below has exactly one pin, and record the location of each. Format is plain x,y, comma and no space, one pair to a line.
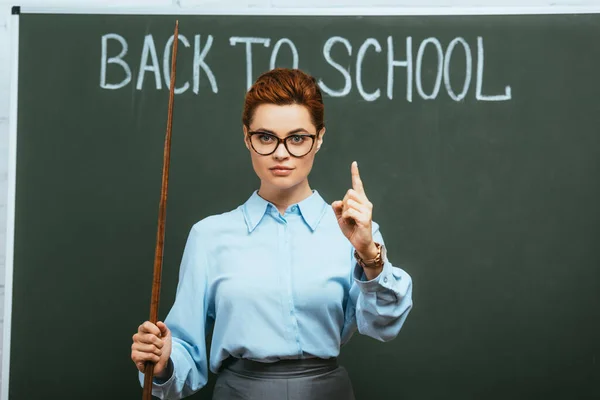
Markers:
427,74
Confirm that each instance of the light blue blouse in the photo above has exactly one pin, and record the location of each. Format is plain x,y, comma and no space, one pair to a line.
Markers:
274,287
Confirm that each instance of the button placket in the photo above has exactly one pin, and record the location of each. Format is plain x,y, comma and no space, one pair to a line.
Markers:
281,268
289,266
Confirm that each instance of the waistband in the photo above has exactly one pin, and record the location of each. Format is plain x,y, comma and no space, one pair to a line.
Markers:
281,369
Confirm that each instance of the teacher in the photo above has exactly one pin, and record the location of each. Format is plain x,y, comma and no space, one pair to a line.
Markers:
285,279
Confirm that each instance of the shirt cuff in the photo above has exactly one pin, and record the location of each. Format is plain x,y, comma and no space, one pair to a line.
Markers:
162,382
380,282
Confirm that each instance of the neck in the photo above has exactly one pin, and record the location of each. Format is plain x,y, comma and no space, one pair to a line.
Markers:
283,198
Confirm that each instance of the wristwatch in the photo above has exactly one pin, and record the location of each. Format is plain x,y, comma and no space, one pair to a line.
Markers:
376,262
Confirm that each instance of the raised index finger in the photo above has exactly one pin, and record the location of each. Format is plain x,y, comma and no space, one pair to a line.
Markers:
356,181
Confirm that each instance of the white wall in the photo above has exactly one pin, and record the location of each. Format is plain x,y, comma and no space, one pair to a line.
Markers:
5,61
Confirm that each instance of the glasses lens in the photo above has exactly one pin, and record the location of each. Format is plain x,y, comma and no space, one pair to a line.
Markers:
299,145
264,143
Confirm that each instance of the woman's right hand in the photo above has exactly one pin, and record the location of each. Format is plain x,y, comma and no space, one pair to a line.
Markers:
152,343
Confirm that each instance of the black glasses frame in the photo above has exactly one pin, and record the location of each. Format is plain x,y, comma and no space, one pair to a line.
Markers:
280,141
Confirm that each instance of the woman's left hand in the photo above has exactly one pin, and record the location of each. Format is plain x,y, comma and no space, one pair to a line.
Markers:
354,216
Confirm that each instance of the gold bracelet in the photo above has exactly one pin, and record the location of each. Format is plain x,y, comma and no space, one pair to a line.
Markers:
376,262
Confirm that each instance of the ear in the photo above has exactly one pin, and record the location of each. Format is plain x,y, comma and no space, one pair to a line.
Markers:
245,130
320,138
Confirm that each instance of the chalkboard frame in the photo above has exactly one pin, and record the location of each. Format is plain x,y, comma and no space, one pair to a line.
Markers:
321,11
14,74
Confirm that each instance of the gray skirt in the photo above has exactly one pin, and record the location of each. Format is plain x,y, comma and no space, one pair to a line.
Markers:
310,379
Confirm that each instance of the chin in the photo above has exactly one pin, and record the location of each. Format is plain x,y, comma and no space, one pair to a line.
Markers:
282,183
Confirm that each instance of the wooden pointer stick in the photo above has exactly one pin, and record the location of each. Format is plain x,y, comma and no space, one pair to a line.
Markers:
162,212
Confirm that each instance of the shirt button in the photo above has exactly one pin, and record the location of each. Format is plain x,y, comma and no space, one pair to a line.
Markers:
385,279
294,208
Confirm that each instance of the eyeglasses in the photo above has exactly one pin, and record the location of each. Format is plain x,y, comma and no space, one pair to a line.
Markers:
298,145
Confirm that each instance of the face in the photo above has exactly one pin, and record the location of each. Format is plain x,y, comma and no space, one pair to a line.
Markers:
280,170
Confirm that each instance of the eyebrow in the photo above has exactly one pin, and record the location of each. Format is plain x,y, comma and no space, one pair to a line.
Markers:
298,130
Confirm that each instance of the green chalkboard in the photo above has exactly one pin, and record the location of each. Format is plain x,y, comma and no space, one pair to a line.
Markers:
479,144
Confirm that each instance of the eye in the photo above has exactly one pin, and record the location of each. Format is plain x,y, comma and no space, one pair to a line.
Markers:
296,139
265,138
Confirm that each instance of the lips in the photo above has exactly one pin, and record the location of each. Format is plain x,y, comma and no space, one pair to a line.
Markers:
281,170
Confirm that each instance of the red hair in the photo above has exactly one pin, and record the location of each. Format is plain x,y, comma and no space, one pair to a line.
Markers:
283,86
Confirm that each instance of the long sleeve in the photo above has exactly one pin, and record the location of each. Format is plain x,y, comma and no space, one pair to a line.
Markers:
187,322
379,307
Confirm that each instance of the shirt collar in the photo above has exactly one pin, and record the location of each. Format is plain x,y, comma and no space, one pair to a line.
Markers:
312,210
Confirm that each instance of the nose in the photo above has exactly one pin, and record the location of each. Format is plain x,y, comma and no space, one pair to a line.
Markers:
281,152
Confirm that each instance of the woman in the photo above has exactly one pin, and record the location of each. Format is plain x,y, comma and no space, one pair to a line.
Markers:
285,279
